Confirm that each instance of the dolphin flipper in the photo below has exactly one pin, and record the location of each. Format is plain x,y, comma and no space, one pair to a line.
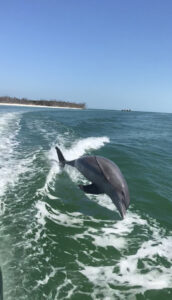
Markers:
90,189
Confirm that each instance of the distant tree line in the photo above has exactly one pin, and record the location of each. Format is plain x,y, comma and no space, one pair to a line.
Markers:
14,100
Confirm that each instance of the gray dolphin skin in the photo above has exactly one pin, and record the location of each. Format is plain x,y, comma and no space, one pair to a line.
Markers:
105,176
1,285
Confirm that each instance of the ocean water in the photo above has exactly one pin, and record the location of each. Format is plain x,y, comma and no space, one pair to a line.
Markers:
57,242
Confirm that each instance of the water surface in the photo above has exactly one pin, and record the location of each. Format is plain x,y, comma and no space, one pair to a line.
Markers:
57,242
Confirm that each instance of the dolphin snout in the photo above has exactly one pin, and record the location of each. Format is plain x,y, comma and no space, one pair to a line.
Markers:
120,203
122,209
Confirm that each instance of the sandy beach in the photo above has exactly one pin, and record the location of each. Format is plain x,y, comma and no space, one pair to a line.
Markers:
42,106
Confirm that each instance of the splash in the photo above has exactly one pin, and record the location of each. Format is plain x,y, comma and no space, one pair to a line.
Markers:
142,271
9,128
45,211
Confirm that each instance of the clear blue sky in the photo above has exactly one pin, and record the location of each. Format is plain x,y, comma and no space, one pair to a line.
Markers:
108,53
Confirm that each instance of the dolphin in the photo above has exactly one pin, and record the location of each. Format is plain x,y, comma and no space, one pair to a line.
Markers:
105,176
1,285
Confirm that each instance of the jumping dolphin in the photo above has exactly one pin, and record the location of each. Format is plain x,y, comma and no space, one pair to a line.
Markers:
1,285
105,176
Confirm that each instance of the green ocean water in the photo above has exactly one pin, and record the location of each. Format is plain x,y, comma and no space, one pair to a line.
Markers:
57,242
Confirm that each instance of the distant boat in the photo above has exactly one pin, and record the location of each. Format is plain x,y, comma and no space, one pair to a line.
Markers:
128,110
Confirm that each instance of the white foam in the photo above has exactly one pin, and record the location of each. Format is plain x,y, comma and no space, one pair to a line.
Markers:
47,277
9,127
157,276
104,240
110,233
69,287
82,146
103,200
11,167
68,219
127,271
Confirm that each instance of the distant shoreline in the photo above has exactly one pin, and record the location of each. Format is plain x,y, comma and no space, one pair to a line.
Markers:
6,100
43,106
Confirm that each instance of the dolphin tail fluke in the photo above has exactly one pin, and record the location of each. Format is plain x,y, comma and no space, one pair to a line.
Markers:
60,157
1,285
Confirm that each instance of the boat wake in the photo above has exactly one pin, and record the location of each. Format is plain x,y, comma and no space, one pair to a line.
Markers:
105,244
71,252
